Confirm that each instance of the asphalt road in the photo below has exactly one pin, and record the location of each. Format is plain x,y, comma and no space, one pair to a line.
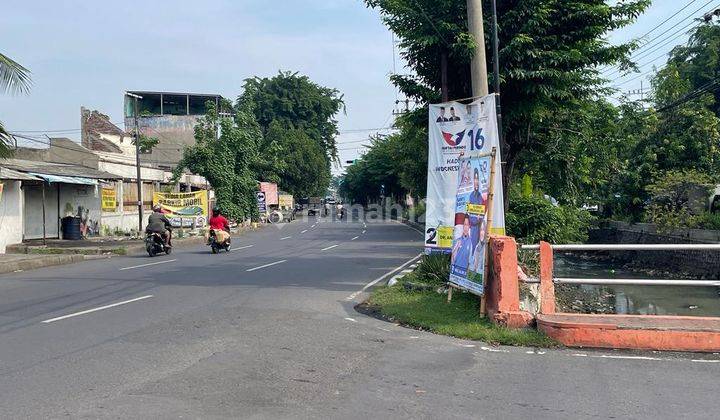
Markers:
269,331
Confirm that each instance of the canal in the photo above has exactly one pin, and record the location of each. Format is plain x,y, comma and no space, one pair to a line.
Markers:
652,300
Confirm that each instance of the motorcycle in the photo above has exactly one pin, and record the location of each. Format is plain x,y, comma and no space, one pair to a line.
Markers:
215,244
155,244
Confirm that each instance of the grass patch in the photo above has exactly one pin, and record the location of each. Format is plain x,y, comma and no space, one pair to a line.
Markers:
430,311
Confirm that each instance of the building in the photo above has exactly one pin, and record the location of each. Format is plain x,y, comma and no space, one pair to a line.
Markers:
37,194
115,151
171,118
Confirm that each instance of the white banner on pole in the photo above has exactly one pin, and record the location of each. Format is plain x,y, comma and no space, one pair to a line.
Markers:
455,128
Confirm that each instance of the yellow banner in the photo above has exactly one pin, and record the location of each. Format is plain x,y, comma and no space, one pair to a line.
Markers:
445,236
109,199
476,209
183,205
285,201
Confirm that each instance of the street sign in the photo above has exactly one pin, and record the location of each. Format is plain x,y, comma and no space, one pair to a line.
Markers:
262,207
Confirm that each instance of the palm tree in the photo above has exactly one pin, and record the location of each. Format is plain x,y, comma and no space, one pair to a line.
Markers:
14,78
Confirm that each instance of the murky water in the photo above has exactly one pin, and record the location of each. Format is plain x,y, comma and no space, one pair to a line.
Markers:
654,300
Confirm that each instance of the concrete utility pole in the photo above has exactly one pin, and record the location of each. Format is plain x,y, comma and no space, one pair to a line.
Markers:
137,162
478,66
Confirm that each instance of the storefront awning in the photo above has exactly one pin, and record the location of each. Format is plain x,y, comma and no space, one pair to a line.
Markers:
65,179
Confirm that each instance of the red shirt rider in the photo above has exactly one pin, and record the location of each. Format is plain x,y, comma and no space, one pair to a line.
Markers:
219,222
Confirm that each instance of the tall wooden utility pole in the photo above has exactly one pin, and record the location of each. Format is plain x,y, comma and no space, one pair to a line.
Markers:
478,65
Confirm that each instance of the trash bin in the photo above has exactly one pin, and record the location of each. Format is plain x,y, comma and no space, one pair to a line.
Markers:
70,226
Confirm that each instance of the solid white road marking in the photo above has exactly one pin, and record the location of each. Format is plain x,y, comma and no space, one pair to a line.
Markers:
389,273
406,225
241,247
351,319
493,350
329,247
47,321
705,361
287,237
304,231
354,238
266,265
148,264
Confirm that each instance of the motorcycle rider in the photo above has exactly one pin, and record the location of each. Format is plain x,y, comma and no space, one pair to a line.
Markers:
159,223
220,225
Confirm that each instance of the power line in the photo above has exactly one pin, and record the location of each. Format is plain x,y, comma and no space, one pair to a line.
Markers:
665,21
656,27
651,42
706,88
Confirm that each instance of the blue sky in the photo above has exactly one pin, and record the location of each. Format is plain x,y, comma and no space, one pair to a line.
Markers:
88,53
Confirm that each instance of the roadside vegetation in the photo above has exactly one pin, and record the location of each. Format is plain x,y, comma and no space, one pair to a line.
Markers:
415,302
653,158
281,129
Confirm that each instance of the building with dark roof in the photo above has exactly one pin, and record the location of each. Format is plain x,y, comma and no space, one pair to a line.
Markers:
171,118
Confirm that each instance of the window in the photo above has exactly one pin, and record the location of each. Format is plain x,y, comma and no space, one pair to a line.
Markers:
148,105
197,104
174,104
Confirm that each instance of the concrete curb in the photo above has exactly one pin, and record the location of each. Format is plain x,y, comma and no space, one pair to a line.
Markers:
39,262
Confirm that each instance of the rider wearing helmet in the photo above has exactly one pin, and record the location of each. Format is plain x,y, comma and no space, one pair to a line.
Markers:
159,223
220,225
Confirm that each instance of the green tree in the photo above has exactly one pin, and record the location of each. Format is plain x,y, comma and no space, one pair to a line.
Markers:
295,101
550,51
305,171
698,61
14,78
228,163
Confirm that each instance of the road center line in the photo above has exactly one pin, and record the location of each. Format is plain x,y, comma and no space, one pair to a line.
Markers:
329,247
304,231
374,282
354,238
47,321
148,264
266,265
287,237
241,247
363,231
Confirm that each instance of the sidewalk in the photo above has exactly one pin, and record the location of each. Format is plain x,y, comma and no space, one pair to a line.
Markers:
92,246
33,254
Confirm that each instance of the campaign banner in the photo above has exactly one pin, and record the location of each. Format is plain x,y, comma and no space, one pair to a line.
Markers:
183,209
108,199
467,261
454,129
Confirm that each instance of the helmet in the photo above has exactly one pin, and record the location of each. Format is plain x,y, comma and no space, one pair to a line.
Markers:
157,208
216,210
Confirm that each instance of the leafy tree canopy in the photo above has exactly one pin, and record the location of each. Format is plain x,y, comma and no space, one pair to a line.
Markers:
295,101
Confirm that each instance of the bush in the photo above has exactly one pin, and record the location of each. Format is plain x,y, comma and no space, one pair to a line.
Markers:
532,219
708,221
434,269
678,199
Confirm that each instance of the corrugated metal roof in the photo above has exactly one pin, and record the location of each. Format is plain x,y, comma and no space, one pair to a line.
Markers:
6,173
55,169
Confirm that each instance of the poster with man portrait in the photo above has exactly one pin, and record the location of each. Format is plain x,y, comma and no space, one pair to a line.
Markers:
467,265
456,129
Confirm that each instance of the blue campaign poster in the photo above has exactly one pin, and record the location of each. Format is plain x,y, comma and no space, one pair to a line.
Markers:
467,266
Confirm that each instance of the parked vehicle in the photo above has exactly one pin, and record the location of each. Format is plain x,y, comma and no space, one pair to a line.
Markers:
155,244
215,244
